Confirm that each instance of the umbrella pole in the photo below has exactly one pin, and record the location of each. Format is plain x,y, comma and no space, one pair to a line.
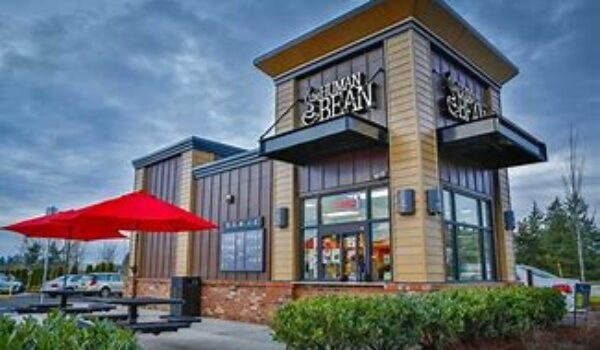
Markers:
134,266
63,300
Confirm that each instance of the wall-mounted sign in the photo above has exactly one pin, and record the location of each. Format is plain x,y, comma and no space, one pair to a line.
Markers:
461,102
350,94
242,245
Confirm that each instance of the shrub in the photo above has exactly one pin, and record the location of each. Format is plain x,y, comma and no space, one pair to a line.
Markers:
349,322
432,320
59,332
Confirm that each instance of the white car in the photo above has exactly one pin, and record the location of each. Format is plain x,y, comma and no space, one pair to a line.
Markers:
541,278
104,284
74,282
10,285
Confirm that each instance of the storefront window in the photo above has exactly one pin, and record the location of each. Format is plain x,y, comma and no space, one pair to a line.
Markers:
379,203
310,212
466,210
449,246
469,238
381,258
341,208
310,254
469,255
346,237
331,257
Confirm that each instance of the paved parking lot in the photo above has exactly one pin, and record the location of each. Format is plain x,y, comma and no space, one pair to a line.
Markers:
214,334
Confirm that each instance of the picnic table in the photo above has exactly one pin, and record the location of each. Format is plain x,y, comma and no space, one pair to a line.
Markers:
133,304
65,294
67,309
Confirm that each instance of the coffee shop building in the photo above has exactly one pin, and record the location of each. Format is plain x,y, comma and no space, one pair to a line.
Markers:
384,170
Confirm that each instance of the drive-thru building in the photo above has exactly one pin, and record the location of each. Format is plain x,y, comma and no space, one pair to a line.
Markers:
385,170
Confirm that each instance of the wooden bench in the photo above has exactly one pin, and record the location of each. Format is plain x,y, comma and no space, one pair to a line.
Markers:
108,317
175,318
155,327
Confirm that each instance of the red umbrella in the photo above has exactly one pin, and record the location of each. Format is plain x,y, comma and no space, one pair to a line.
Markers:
55,226
141,212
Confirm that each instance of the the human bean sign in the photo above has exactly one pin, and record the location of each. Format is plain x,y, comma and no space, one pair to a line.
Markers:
350,94
461,103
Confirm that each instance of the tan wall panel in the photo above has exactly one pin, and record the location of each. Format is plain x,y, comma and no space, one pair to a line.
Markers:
417,239
284,247
187,201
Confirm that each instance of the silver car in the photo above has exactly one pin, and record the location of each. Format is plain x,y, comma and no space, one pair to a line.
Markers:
104,284
10,285
74,282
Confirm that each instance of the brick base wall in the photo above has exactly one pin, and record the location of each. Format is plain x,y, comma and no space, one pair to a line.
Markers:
256,302
253,302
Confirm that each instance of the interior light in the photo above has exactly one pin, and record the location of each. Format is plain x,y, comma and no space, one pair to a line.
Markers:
341,213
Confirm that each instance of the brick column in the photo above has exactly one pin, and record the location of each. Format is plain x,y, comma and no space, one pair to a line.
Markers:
187,201
284,250
417,239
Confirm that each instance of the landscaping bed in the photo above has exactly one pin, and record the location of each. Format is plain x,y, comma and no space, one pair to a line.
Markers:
59,332
454,318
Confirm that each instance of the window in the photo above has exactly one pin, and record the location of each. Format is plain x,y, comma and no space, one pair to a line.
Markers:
346,207
310,212
346,236
469,238
310,254
381,260
379,203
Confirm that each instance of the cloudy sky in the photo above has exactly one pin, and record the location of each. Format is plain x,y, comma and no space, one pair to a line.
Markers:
86,86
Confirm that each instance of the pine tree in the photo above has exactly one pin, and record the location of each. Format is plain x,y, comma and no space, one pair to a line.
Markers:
528,237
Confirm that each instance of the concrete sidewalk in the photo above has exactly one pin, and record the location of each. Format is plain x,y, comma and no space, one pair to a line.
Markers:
213,334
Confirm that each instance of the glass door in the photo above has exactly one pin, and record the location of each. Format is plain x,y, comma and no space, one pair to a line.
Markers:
353,268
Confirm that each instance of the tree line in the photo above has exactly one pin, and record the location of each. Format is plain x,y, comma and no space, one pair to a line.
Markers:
27,264
563,237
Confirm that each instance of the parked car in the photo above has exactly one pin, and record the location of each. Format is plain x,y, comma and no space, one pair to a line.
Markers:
541,278
104,284
74,282
10,285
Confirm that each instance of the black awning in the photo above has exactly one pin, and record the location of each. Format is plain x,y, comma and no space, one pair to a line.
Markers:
342,134
493,142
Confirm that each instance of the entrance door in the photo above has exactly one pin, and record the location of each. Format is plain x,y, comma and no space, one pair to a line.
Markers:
353,268
343,256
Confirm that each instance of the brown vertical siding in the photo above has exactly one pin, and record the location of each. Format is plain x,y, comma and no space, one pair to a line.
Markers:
158,249
343,170
251,187
367,62
460,172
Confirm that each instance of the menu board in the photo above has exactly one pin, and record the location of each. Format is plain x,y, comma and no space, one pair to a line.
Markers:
242,246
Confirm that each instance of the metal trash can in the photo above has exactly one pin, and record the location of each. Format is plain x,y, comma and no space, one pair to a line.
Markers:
187,289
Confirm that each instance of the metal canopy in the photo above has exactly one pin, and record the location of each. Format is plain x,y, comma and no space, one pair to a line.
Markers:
493,142
341,134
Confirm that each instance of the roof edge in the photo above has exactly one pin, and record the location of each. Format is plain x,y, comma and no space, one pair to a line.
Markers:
187,144
225,164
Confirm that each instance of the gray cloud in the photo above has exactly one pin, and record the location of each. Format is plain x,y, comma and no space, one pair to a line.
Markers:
88,86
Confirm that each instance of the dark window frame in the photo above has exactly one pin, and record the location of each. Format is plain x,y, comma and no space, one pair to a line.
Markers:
451,224
343,229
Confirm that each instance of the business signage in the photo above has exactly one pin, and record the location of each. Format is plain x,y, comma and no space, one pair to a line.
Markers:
461,102
242,245
350,94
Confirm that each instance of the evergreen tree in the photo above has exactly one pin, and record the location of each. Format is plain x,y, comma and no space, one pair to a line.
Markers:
528,237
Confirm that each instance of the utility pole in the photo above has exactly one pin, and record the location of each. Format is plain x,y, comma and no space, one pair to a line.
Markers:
49,211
